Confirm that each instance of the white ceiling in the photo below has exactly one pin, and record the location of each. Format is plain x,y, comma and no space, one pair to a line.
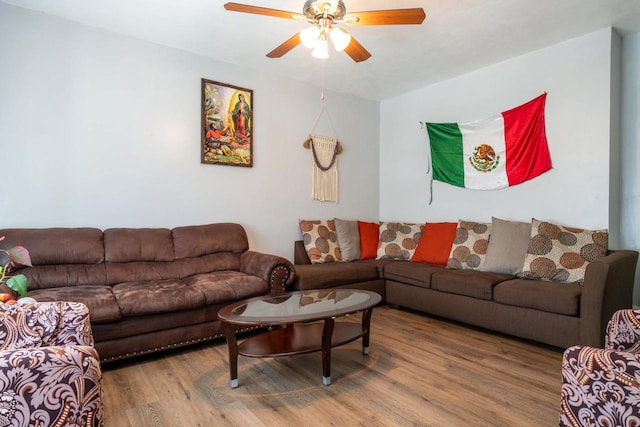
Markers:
458,36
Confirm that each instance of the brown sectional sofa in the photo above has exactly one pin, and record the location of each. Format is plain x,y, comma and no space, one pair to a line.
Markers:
148,289
558,314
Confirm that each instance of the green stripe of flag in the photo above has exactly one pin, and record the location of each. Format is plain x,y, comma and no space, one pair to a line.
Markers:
446,153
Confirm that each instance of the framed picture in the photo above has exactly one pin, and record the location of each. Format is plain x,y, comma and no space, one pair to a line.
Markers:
227,124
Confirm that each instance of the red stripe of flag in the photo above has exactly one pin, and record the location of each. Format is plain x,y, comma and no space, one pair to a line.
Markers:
526,141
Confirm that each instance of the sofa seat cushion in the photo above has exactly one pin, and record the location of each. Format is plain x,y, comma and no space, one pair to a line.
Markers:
221,286
328,275
540,295
150,297
100,300
412,273
471,283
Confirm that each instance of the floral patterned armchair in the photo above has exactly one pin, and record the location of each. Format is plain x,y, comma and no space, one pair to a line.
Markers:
49,371
602,386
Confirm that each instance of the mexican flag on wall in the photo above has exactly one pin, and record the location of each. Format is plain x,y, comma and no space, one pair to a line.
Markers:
492,153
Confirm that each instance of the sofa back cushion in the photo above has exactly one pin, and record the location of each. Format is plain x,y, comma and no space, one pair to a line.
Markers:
60,256
55,246
119,272
138,244
199,240
65,275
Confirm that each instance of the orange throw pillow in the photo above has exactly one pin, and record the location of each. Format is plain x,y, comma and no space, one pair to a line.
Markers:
435,244
369,236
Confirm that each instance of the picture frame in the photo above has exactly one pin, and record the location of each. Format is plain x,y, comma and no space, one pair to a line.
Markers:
227,124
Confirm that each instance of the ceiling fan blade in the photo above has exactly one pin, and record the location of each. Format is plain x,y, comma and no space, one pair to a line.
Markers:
245,8
356,51
285,47
387,17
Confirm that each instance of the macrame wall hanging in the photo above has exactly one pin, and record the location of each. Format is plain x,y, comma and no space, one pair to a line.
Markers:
325,150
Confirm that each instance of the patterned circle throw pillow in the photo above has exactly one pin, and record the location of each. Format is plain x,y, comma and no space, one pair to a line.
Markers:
398,240
320,240
561,254
469,248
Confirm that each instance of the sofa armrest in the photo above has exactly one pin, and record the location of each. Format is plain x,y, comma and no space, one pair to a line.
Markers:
623,331
44,324
599,387
278,272
47,386
300,255
608,286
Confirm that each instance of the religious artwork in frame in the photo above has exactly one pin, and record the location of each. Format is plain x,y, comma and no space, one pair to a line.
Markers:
227,124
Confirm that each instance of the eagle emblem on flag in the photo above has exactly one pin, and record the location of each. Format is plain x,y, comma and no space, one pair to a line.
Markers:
484,158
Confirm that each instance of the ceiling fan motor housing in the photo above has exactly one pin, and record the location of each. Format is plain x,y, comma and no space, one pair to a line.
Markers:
315,9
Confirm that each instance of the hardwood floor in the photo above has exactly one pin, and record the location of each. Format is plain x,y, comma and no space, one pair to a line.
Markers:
421,371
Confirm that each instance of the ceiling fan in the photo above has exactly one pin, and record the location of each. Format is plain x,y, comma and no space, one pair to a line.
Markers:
324,16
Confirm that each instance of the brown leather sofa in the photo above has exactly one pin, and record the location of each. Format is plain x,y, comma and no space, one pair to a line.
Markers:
558,314
148,289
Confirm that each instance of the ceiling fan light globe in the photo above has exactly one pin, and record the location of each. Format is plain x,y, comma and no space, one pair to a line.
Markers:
321,51
309,36
340,38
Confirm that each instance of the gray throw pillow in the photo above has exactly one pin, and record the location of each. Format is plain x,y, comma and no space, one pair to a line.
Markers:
508,246
348,236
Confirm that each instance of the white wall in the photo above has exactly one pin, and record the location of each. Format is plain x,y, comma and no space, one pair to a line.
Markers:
576,75
593,128
615,141
630,164
98,129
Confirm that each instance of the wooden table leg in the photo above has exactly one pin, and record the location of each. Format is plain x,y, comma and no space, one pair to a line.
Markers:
327,333
366,322
232,344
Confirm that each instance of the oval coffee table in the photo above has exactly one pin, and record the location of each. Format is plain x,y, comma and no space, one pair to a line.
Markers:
289,332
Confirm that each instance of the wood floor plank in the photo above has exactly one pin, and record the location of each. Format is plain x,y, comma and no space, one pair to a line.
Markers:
421,371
